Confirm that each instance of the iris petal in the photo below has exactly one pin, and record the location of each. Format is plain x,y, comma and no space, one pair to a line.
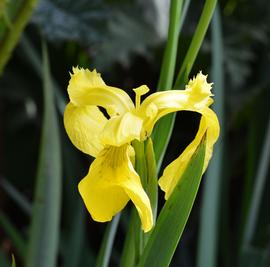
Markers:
122,129
87,88
83,126
109,185
174,170
195,97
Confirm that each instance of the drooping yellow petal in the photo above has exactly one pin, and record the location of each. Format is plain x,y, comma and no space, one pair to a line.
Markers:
122,129
195,97
109,185
83,126
87,88
173,172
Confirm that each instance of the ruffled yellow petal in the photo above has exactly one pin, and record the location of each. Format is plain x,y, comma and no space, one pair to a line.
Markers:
122,129
195,97
87,88
173,172
83,126
109,185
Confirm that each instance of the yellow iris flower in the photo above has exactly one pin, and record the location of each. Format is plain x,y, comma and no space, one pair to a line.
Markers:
112,180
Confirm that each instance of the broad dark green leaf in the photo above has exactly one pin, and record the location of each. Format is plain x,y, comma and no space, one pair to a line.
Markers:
174,215
44,232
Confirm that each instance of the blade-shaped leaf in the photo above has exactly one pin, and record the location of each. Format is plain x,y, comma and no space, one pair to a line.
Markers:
107,243
44,233
14,16
18,197
13,234
174,215
13,261
163,128
211,197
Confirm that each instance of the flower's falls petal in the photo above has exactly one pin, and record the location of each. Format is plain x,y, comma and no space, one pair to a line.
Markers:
83,126
110,183
136,193
87,88
120,130
174,171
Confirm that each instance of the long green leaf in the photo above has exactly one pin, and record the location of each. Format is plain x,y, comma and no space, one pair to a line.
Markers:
174,215
129,254
18,197
13,234
14,29
107,243
30,54
73,236
13,261
162,132
169,59
161,140
196,43
208,232
44,232
259,185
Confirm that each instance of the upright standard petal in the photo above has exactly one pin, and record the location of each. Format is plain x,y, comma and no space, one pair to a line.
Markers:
122,129
87,88
174,171
109,185
83,126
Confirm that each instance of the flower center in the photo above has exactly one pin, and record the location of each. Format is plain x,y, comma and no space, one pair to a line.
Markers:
142,90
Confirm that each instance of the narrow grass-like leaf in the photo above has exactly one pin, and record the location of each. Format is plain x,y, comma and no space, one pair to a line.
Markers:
3,260
13,234
257,195
174,215
163,128
162,132
196,43
169,59
30,54
20,199
12,33
73,237
208,233
107,243
129,254
44,232
13,261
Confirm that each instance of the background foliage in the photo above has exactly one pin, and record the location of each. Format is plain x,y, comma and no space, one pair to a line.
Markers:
124,40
